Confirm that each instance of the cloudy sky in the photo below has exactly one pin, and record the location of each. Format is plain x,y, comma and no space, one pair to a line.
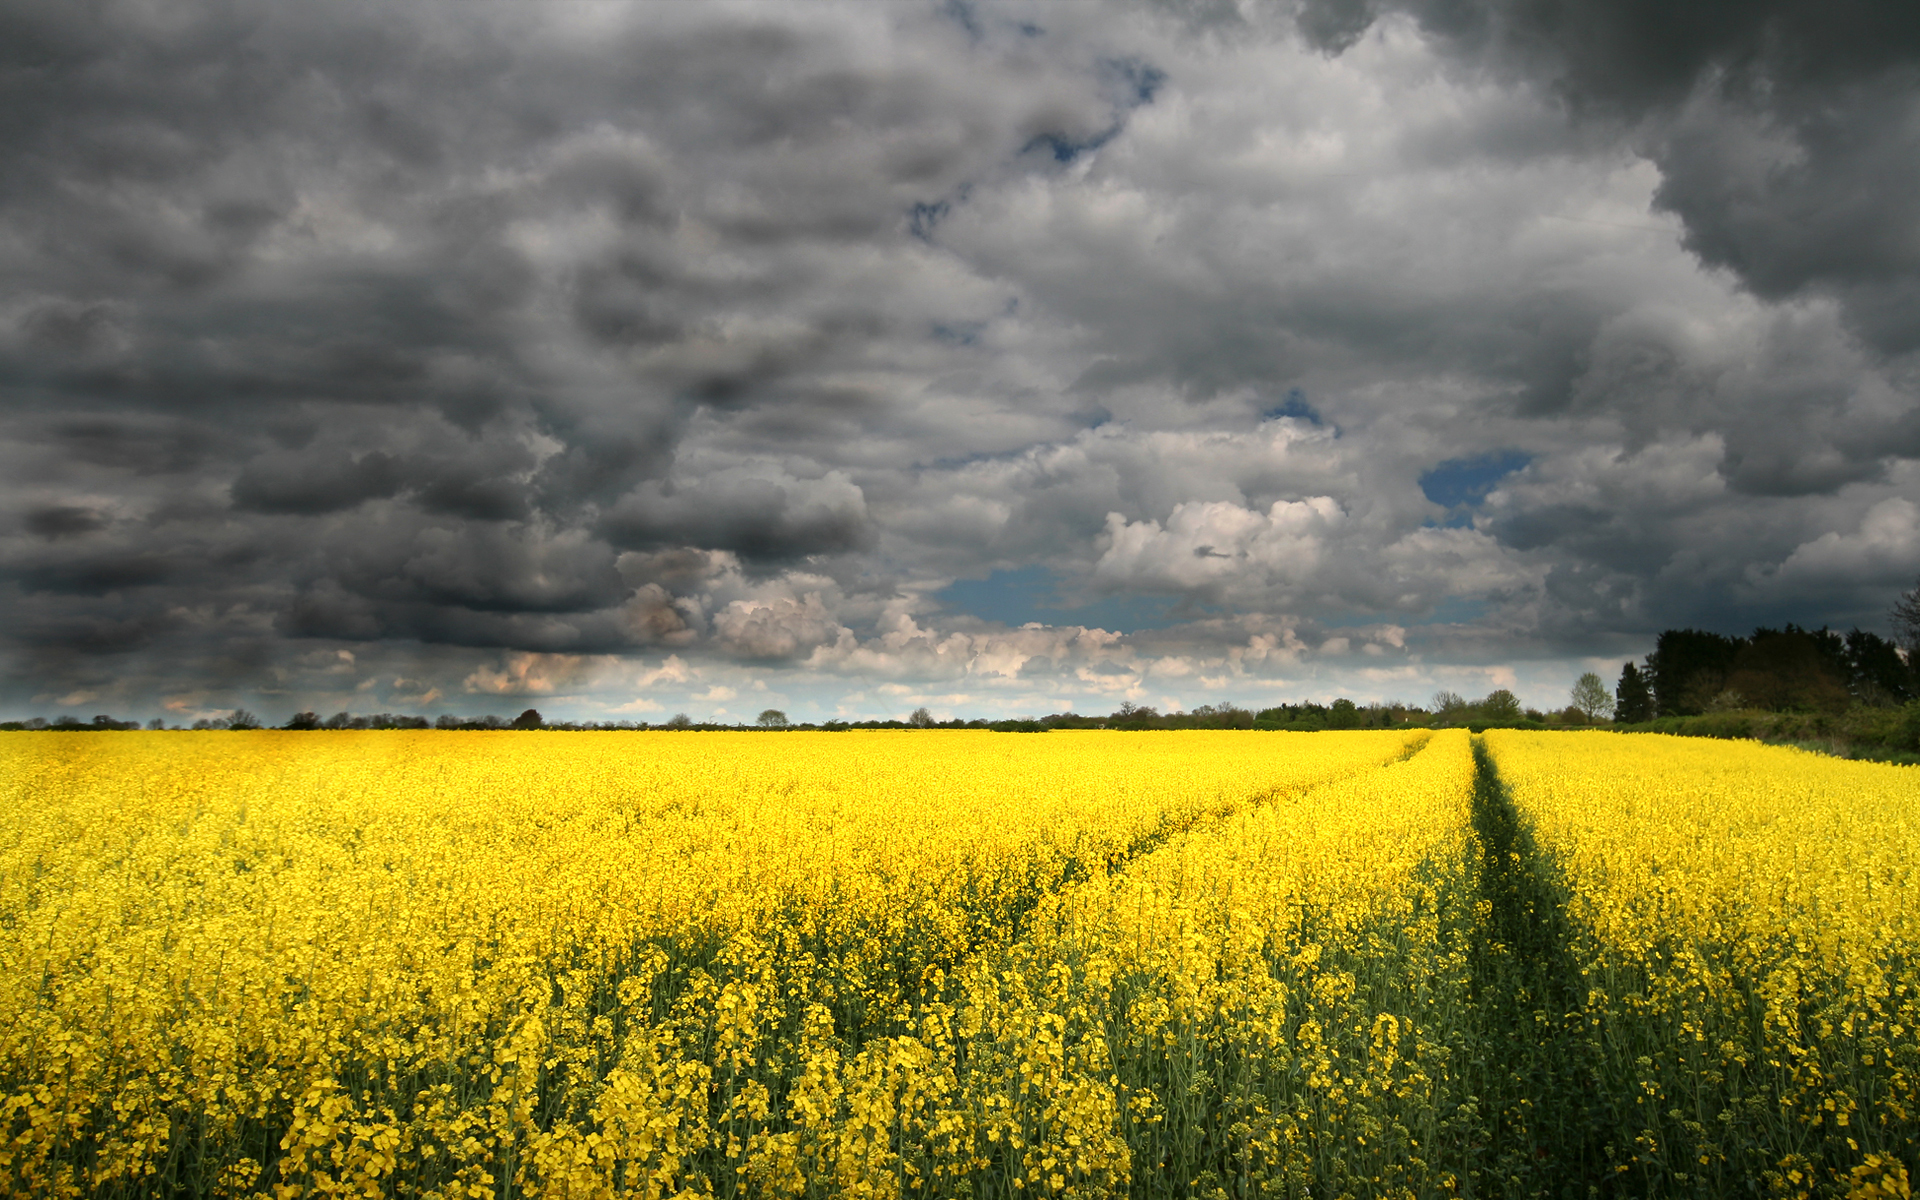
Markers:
623,359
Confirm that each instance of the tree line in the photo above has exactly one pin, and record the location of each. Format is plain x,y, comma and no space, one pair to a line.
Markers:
1856,693
1692,672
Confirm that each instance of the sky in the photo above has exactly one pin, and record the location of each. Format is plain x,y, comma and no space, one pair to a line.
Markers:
626,359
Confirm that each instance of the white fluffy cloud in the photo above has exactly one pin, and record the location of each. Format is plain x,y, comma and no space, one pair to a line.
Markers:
1883,548
1217,549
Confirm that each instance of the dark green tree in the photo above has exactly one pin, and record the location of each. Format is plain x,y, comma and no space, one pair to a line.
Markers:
1906,622
1789,670
1876,672
1632,700
1133,716
1500,705
1688,668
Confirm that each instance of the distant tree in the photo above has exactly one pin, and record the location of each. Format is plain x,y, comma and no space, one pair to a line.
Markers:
773,718
1065,720
242,719
157,723
1446,702
339,720
1343,714
1906,622
529,719
1689,668
1876,673
1500,705
920,719
303,720
1589,695
1225,715
679,721
446,721
1134,716
1632,700
1789,670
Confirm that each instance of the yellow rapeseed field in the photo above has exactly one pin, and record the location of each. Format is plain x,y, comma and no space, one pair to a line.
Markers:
1745,924
952,963
430,963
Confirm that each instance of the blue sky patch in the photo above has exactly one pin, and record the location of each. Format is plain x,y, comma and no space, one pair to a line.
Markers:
1466,481
1295,406
1459,610
1065,149
1137,81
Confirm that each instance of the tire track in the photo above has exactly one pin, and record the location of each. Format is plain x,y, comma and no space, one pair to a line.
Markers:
1544,1121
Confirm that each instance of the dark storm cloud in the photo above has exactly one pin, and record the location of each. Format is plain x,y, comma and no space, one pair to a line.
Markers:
286,484
320,260
756,517
1786,131
369,357
95,574
62,520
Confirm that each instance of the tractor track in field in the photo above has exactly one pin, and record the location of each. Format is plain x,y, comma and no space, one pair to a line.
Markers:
1544,1121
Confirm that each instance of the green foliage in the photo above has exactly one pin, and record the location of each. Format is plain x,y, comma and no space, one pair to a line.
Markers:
1500,705
1878,732
1590,698
1632,698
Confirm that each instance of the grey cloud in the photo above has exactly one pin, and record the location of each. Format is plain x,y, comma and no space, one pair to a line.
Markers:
138,443
776,629
476,495
62,642
497,347
97,573
484,567
280,483
1633,56
62,521
755,516
1783,130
